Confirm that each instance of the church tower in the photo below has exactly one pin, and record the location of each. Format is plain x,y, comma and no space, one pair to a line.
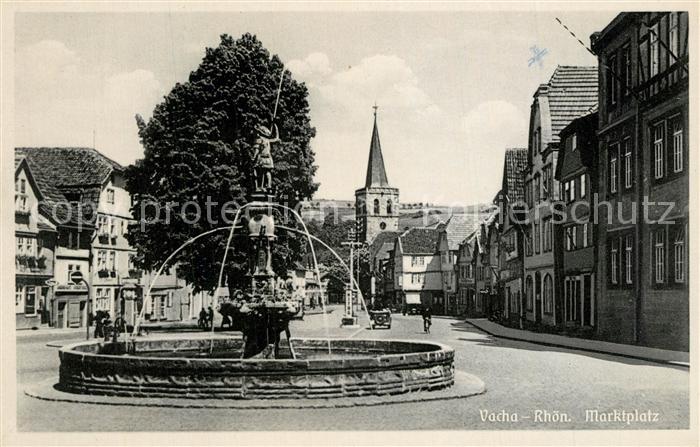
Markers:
377,204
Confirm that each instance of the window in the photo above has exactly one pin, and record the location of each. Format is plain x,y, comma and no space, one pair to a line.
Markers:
584,235
573,142
376,206
417,260
547,188
110,195
628,259
112,260
30,300
547,235
659,256
548,294
23,186
614,262
571,238
659,151
389,209
528,292
612,81
583,185
627,164
613,169
626,69
72,268
654,49
679,255
19,298
102,298
416,278
101,260
170,299
673,42
567,191
677,145
536,230
528,241
112,227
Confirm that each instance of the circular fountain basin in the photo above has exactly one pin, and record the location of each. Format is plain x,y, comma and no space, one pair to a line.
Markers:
203,368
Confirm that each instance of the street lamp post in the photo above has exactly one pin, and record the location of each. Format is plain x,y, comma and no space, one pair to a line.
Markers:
350,319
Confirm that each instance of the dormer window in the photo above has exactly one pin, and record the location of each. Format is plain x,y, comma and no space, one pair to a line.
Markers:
110,195
73,197
573,142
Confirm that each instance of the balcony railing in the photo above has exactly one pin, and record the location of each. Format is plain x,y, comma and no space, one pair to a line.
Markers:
30,262
661,82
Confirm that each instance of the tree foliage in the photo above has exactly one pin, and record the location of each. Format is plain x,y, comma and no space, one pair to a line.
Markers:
198,149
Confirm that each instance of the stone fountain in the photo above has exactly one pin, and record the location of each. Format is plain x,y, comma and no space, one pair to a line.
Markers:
255,366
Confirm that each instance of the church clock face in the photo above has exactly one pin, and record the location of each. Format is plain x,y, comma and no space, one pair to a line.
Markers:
382,225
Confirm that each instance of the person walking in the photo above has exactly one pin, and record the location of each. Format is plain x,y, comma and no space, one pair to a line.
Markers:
210,316
427,319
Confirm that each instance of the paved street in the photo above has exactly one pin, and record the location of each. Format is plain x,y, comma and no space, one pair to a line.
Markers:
521,378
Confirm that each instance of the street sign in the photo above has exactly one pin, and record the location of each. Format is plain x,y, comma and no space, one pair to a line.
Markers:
76,277
51,282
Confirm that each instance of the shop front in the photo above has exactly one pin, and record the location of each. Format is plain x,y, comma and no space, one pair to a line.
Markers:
70,307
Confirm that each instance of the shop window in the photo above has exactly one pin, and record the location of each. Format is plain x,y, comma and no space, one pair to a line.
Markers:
30,301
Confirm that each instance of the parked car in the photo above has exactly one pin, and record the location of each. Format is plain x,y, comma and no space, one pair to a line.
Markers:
380,318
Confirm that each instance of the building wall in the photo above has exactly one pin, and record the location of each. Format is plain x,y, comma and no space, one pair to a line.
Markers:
34,256
542,155
643,312
371,223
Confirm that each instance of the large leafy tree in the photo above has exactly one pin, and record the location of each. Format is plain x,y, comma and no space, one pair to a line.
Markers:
198,149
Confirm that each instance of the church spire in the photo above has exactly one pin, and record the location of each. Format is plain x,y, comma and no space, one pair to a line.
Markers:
376,173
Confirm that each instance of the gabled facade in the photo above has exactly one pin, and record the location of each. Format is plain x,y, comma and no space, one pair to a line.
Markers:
512,213
35,239
570,92
643,127
466,286
417,273
458,227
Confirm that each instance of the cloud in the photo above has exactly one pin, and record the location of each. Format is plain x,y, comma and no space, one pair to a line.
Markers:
60,100
312,69
386,79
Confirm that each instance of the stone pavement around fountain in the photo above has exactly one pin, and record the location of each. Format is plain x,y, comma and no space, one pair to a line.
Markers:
521,378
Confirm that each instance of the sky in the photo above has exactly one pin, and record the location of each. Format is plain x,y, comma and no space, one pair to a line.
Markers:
454,89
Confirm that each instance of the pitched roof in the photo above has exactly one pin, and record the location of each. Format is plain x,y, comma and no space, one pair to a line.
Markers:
513,177
572,91
420,240
458,227
382,244
420,218
63,170
376,173
71,166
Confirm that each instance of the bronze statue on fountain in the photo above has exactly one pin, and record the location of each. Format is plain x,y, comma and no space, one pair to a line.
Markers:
264,310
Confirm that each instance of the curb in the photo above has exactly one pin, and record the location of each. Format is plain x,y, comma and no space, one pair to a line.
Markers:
577,348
